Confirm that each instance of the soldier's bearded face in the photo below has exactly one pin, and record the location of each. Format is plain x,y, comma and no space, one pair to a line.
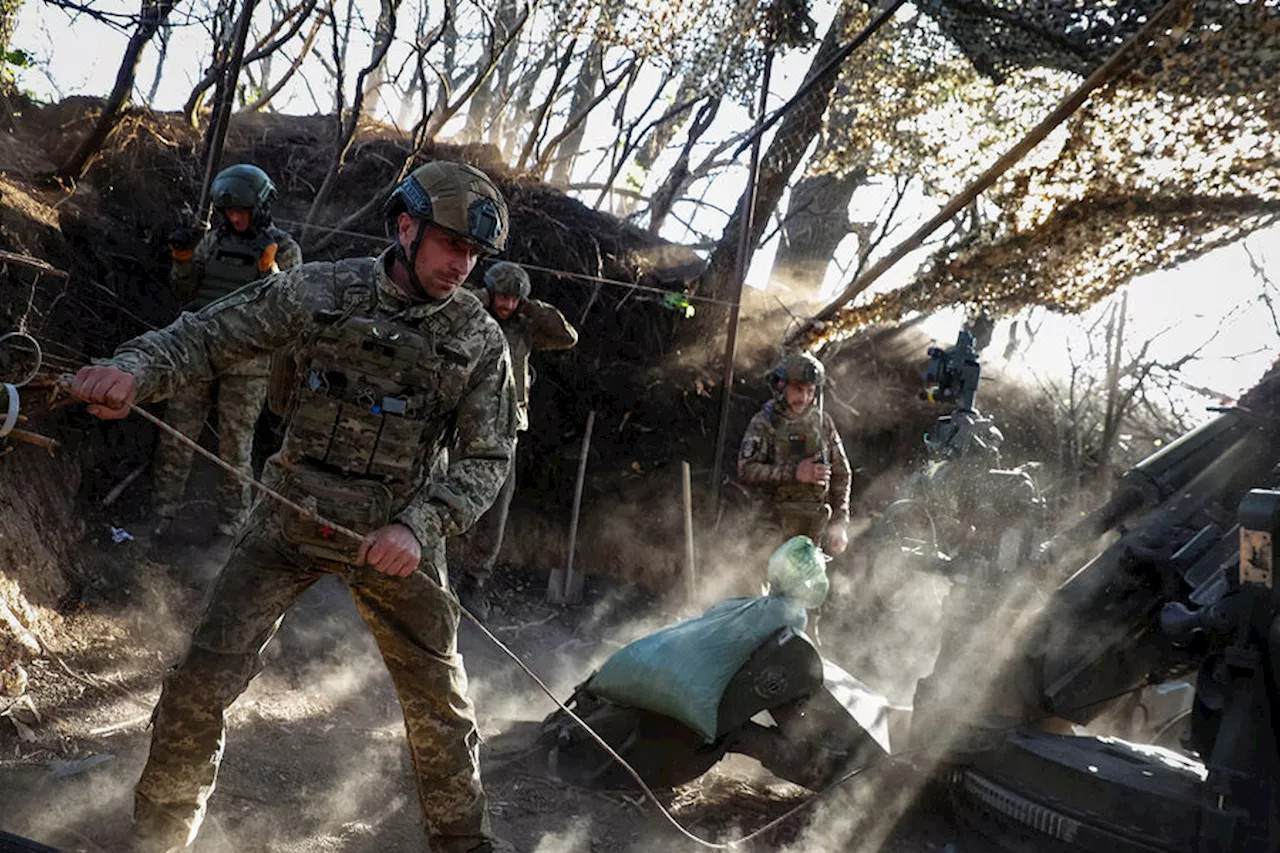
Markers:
443,261
239,217
504,305
799,395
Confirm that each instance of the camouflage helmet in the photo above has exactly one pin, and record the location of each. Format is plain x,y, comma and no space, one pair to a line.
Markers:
508,278
456,198
242,185
797,367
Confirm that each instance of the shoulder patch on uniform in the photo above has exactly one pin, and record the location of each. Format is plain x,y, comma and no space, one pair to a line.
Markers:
749,447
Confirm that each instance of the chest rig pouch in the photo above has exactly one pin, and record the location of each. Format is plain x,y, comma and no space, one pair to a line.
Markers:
361,505
232,263
377,395
794,440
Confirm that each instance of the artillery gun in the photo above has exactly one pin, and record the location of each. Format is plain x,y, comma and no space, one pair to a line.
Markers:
1181,587
1173,577
961,514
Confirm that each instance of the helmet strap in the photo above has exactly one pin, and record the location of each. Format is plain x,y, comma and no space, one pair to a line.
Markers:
407,258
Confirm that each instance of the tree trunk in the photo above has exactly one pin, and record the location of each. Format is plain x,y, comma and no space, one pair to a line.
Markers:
678,178
153,15
795,133
540,118
584,89
274,89
165,33
504,24
506,128
8,22
817,221
384,35
663,135
224,99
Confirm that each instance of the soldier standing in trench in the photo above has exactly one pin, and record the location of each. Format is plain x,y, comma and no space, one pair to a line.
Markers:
528,325
395,361
243,246
792,457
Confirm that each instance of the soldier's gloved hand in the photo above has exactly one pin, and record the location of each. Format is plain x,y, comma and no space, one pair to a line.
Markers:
183,241
838,538
813,472
109,391
392,550
267,261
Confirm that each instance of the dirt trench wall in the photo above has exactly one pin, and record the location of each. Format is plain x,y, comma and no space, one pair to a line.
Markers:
39,532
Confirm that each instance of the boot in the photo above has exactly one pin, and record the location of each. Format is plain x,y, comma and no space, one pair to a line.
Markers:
472,597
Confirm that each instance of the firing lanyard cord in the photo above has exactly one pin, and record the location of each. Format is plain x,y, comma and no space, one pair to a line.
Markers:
666,814
351,534
622,762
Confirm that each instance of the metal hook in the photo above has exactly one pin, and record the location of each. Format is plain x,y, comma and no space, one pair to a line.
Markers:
39,359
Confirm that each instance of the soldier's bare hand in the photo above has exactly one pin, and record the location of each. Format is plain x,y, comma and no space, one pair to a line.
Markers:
813,472
837,539
109,391
392,550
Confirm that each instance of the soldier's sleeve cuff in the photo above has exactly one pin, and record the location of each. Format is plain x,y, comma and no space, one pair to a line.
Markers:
143,386
425,524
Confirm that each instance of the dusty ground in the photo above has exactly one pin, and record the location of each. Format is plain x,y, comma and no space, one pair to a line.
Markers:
315,758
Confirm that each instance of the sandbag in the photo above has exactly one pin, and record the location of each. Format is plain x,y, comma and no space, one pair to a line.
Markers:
797,570
681,671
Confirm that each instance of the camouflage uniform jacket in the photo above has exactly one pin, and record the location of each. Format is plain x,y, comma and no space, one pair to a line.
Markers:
534,326
475,401
196,290
760,466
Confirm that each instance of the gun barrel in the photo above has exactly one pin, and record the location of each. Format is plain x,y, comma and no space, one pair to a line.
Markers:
1165,472
1098,618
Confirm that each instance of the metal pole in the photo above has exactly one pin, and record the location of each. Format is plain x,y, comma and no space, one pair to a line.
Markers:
746,215
690,568
564,586
572,578
222,110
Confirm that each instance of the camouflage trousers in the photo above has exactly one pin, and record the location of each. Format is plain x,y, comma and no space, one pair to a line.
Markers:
478,548
778,525
239,397
415,623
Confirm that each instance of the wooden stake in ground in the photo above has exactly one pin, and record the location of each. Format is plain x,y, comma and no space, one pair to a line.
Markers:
1105,73
564,586
690,569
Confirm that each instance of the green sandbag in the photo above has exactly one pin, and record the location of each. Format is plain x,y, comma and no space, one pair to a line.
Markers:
681,671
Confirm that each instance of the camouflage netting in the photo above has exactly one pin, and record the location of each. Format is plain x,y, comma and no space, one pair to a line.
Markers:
1001,36
1176,156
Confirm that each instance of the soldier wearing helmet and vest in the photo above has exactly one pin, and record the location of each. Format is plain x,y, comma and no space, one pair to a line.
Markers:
395,361
528,325
242,247
793,457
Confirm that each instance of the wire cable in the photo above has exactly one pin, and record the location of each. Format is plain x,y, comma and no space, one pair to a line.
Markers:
629,285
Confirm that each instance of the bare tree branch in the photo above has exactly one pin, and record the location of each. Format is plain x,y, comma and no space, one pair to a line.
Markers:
347,125
574,122
152,16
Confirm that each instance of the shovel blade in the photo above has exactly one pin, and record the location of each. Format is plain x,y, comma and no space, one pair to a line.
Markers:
556,587
573,587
